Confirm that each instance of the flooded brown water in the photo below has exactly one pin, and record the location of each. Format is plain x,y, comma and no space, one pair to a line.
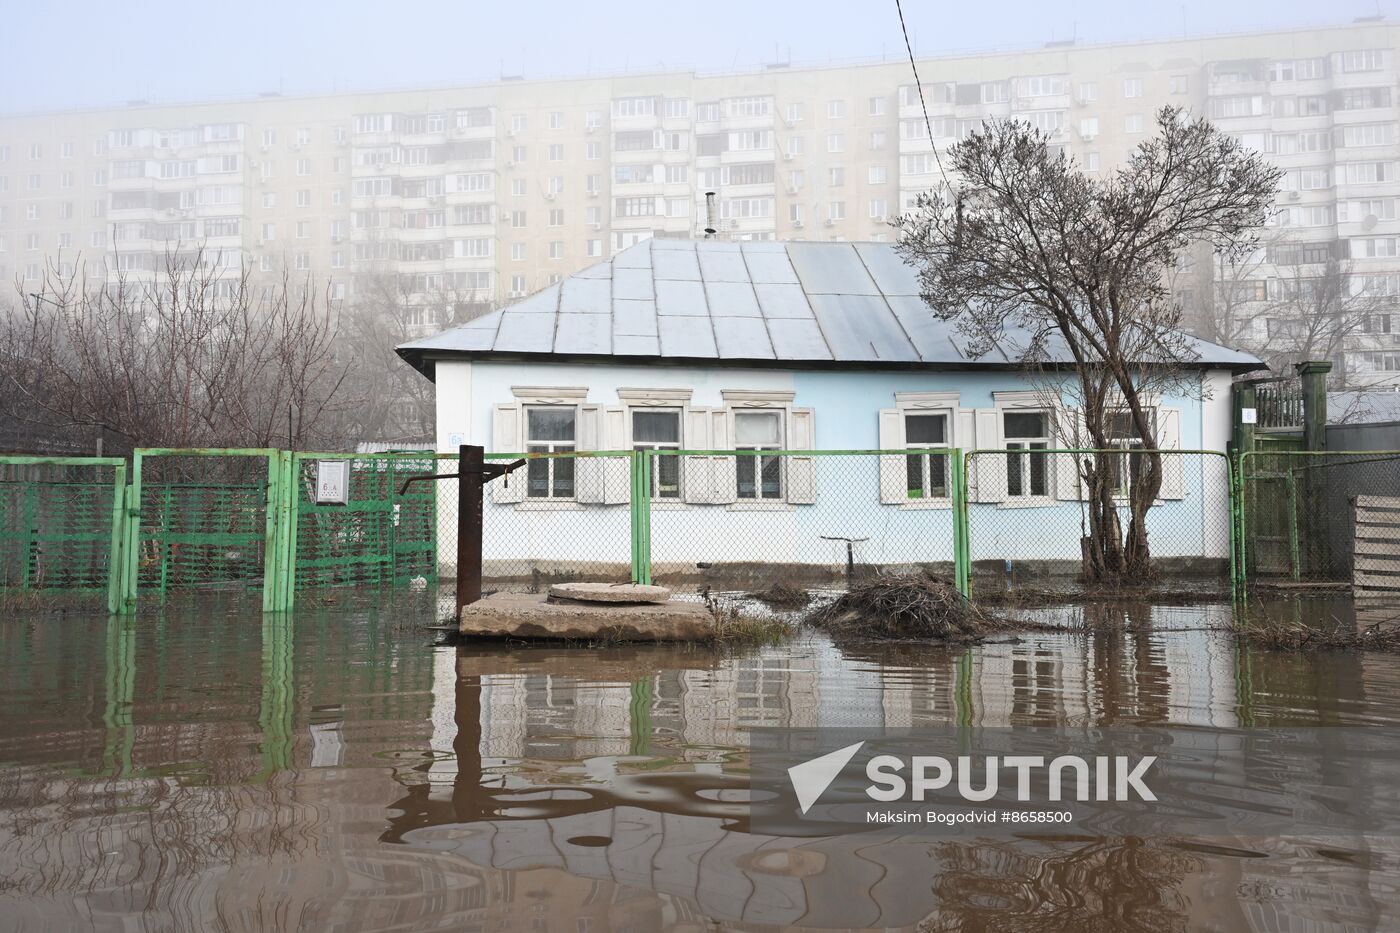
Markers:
335,770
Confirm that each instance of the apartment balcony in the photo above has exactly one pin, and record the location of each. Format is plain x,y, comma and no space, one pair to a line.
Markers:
470,197
1385,77
636,156
766,121
422,170
473,132
140,183
1237,88
734,156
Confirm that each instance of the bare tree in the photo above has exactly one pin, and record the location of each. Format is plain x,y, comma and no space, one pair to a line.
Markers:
198,356
1027,250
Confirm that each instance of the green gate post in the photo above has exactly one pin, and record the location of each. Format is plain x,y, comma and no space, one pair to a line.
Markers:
962,564
272,502
1234,489
115,563
641,516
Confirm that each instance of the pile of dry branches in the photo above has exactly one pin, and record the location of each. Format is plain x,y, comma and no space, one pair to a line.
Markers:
905,607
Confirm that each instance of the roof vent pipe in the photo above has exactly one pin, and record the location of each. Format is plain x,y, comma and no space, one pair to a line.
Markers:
709,215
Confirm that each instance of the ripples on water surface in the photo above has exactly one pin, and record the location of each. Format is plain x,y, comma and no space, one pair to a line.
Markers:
216,769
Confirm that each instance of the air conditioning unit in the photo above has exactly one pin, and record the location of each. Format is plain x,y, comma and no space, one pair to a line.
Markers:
831,222
597,227
296,147
789,123
550,196
511,132
264,147
337,239
590,129
1088,137
592,194
792,189
1294,195
797,224
260,241
510,163
787,156
515,294
253,163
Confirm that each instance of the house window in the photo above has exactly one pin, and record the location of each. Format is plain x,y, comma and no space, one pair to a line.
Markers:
927,473
660,429
1025,472
550,430
1126,467
760,476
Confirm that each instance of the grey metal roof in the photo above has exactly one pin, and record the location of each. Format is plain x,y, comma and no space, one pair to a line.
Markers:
787,303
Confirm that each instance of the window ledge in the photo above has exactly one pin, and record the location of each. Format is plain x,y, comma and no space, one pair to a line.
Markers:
1031,502
552,505
919,505
774,505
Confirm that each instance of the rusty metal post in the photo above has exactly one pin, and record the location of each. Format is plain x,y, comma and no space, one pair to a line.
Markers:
470,485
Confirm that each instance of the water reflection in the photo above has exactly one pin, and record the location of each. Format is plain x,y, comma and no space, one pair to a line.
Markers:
334,769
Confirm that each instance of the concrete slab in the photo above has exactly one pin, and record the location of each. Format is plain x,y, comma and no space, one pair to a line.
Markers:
610,592
523,615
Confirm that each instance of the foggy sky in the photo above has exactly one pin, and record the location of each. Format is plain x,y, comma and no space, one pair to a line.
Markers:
79,54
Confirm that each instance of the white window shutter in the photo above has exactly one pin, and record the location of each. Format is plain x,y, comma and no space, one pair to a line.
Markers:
894,480
723,481
989,469
1173,465
506,422
617,478
695,471
802,471
1070,432
588,471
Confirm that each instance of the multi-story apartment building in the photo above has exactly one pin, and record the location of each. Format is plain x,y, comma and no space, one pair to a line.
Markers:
449,198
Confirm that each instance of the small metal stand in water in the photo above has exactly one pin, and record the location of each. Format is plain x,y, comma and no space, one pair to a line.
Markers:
473,473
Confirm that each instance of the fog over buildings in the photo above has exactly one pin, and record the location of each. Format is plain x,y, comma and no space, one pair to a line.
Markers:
442,202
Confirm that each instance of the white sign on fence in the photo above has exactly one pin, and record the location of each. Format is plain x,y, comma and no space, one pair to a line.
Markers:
1249,416
332,482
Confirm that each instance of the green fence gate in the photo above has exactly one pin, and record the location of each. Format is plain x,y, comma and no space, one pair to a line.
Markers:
61,525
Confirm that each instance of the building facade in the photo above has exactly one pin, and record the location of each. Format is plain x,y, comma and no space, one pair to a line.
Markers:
442,202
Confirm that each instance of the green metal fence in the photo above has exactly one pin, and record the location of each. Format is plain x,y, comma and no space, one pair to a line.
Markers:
1321,520
61,522
73,529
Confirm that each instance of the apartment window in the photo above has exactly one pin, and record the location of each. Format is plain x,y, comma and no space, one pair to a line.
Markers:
4,153
794,146
556,152
518,187
517,252
65,151
556,120
836,176
519,123
835,109
875,107
269,199
677,207
34,182
556,217
1132,87
758,476
660,429
707,112
550,430
677,174
1088,92
518,154
31,242
926,472
65,179
879,209
36,151
99,177
1026,472
31,212
634,107
794,112
517,284
65,210
1133,123
878,139
1363,60
750,106
795,213
304,197
1179,84
303,229
835,142
269,232
595,248
1088,127
593,150
517,219
676,108
836,210
879,174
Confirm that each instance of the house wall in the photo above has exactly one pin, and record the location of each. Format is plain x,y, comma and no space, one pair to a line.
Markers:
846,406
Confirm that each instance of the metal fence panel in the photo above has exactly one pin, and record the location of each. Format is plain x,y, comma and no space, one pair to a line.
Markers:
205,519
1322,520
61,522
1028,518
382,534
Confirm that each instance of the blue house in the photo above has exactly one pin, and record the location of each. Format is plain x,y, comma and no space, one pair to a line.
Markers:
787,346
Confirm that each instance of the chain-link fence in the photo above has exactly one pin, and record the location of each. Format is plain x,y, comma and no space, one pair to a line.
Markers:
1032,525
806,520
360,526
61,520
206,519
1322,520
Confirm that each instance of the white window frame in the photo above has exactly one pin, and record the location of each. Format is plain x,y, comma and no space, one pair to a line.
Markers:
751,401
1025,403
946,404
